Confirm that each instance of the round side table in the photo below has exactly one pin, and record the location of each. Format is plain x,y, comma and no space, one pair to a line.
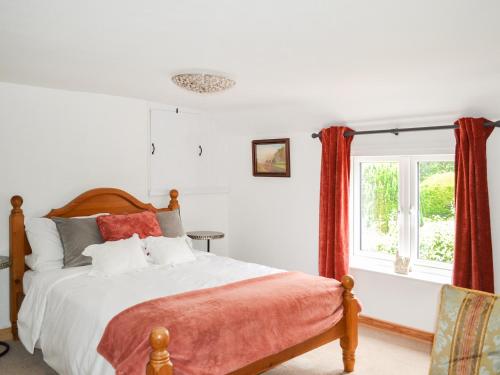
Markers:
205,235
4,263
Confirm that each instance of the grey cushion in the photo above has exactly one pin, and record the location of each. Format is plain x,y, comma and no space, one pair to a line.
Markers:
170,223
76,235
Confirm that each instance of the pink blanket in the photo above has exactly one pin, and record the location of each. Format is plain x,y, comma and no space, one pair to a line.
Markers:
219,330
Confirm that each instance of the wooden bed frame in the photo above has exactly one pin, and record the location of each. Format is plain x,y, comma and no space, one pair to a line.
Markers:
116,201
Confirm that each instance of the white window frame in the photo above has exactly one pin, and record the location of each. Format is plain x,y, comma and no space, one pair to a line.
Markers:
408,213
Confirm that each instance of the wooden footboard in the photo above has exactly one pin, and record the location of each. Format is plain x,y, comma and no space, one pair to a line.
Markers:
346,330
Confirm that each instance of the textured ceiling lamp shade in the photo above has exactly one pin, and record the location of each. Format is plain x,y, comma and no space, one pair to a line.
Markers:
203,83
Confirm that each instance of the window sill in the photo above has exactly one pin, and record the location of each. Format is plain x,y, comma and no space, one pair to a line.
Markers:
386,267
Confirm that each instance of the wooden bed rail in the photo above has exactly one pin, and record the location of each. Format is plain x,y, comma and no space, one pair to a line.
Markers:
346,330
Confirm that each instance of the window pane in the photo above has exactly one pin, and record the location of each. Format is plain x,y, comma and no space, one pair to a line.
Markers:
436,235
379,207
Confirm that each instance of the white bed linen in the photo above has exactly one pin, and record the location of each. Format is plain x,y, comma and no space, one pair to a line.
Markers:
67,310
27,279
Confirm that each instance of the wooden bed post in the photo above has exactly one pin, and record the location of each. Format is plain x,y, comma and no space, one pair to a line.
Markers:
159,359
349,341
174,203
16,253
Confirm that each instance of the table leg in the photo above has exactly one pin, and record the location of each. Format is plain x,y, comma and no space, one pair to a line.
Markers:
208,245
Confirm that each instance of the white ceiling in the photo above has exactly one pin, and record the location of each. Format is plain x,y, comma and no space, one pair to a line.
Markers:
347,60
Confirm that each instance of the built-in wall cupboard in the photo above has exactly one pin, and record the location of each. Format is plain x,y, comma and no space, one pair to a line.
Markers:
186,153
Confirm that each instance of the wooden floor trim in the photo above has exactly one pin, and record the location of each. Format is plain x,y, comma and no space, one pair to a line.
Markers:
5,334
396,328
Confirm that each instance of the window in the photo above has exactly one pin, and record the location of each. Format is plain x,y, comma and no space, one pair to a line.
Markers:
404,205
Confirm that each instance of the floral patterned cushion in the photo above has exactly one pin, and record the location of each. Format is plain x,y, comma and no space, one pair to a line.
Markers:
467,340
120,227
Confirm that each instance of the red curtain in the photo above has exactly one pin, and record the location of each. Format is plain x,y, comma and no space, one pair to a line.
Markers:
334,202
473,266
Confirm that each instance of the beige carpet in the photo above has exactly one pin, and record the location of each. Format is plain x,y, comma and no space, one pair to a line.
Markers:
379,353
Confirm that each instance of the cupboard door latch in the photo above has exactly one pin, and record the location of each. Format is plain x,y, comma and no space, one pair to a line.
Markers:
153,148
200,152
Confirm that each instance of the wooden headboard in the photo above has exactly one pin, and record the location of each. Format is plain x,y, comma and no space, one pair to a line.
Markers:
109,200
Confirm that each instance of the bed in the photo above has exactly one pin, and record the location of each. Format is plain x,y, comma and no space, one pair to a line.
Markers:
56,300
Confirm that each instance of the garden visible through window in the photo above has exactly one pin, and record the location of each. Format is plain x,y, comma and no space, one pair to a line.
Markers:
379,207
436,230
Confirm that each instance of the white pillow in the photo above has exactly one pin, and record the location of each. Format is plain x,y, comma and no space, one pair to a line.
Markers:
48,265
46,248
116,257
169,251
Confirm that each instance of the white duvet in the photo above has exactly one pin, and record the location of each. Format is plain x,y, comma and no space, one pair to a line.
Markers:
66,311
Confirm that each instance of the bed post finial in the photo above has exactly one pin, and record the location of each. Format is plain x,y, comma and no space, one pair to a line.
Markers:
174,203
16,201
16,253
349,341
159,362
348,282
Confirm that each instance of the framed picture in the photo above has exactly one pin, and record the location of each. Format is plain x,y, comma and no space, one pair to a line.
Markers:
271,157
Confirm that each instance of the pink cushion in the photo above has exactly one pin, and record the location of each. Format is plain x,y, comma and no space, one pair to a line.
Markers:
120,227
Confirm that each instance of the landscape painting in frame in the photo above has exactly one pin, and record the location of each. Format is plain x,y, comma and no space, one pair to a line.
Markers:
271,157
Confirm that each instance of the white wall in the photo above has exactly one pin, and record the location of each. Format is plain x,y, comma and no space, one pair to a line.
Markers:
275,220
55,144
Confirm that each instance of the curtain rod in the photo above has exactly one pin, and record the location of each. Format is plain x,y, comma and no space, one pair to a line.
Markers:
396,131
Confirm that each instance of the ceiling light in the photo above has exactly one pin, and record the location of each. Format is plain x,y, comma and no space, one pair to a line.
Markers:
203,83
